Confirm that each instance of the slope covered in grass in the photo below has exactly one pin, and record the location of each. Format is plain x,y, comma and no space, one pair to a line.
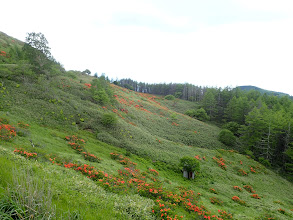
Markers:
59,159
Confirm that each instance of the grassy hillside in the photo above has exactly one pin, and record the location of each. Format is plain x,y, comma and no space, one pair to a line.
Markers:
60,159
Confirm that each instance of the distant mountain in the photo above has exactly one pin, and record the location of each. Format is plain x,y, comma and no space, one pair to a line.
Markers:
249,88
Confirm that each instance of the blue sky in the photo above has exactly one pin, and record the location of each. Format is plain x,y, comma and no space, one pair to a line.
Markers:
206,43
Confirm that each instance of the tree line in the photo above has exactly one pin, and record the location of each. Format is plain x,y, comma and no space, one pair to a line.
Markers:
262,123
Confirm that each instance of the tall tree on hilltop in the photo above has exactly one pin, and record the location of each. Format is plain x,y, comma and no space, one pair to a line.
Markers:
38,53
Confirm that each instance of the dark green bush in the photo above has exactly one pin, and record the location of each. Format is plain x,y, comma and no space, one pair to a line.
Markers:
101,97
191,113
233,127
109,119
227,137
169,97
264,162
4,121
199,114
128,86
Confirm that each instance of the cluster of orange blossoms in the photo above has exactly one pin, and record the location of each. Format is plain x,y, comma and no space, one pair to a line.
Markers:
88,85
237,188
3,53
249,188
78,144
255,196
242,172
23,125
238,200
7,132
225,215
220,162
24,153
252,170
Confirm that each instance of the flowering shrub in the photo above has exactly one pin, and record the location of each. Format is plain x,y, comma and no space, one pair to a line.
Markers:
163,210
76,143
74,138
212,190
154,172
21,124
220,162
255,196
7,132
252,170
238,200
90,157
216,201
282,211
24,153
88,85
249,188
114,155
197,157
225,215
242,172
159,141
121,159
56,160
3,53
237,188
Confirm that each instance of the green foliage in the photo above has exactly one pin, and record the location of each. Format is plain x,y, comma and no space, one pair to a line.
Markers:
174,116
100,91
178,94
209,102
227,137
87,71
109,119
233,127
38,53
191,113
264,162
199,114
237,108
189,164
128,86
289,164
101,97
249,153
169,97
4,121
